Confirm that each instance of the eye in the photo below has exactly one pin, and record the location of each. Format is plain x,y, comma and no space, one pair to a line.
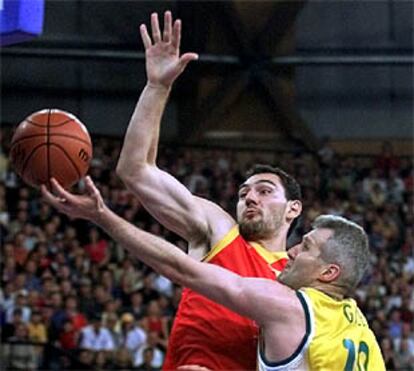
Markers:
265,191
242,195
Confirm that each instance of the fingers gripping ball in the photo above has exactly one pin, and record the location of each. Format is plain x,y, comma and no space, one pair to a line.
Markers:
51,143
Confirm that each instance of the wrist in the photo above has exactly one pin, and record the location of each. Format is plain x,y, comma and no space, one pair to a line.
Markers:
159,87
102,217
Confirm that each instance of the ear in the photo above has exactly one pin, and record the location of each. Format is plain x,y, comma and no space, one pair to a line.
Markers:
330,273
294,208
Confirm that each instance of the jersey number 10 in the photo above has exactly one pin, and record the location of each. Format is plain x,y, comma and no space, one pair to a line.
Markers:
361,353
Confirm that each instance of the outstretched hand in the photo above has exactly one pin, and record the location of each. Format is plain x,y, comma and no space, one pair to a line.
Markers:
163,61
87,206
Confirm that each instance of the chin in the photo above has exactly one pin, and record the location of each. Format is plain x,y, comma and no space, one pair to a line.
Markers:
287,281
249,234
251,230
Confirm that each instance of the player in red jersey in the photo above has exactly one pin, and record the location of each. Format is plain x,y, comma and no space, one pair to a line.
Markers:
204,332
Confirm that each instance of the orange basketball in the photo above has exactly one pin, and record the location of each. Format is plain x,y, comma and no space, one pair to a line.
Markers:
51,143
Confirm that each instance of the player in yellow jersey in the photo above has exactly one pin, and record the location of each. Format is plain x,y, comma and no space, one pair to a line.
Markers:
307,320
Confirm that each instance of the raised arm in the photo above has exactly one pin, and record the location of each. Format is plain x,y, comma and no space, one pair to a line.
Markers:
260,299
162,195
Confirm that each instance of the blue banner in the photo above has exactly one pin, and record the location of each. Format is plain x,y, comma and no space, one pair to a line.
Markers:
21,20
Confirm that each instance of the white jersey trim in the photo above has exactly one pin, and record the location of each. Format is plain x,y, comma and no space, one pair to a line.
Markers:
297,361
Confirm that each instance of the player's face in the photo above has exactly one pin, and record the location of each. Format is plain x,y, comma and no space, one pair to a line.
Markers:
261,207
305,265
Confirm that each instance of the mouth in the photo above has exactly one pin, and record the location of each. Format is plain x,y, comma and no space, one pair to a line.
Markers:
250,213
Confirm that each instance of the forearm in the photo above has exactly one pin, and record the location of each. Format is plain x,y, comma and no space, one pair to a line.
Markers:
143,130
154,251
212,281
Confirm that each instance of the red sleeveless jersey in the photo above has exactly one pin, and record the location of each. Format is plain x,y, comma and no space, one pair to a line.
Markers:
207,334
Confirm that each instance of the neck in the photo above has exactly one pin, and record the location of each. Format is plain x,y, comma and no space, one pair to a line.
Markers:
276,242
335,292
273,244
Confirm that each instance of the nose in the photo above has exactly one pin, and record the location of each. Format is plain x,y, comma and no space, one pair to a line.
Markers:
251,197
293,252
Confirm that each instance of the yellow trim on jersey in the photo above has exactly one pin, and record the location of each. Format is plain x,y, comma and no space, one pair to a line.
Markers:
219,246
268,256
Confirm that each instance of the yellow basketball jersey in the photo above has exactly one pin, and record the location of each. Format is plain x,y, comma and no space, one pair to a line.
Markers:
341,338
337,338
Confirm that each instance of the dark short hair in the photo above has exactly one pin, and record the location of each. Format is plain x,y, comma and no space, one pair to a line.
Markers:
289,183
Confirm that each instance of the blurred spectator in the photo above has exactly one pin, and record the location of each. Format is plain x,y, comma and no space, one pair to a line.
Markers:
163,285
86,300
122,360
97,248
96,337
9,328
148,357
68,336
20,251
20,303
37,329
86,358
59,315
404,357
148,292
153,342
112,323
7,296
154,321
132,336
72,313
136,308
101,361
388,354
16,354
395,324
407,314
33,281
111,308
37,333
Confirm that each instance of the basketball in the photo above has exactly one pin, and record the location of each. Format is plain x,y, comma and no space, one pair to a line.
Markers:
51,143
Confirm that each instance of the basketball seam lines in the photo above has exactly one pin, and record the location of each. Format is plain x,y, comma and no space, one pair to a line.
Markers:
29,157
53,126
68,157
48,147
51,135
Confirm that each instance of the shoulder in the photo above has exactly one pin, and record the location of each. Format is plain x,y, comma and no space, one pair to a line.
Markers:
219,221
228,239
273,303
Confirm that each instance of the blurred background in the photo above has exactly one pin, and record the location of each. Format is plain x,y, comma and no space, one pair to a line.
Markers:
323,89
274,74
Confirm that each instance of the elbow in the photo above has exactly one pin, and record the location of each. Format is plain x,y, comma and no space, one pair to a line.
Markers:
125,167
128,172
122,173
121,170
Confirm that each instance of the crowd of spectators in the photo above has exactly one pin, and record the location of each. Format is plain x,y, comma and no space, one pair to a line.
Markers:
71,298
